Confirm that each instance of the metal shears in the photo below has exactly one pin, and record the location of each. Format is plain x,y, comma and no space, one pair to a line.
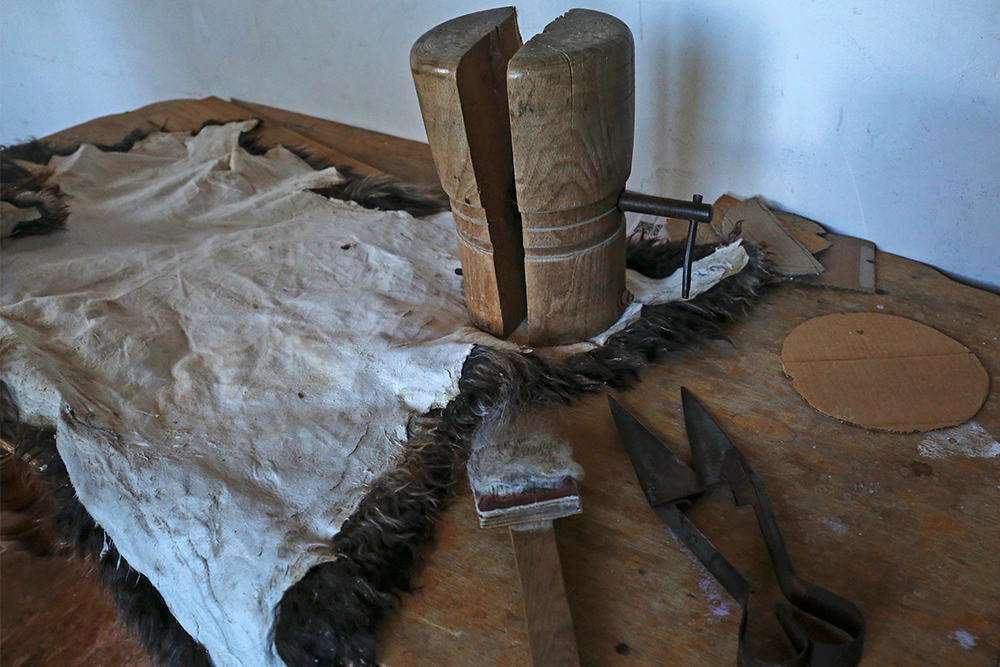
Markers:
669,483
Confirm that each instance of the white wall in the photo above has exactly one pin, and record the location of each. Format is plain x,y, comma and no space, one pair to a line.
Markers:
880,119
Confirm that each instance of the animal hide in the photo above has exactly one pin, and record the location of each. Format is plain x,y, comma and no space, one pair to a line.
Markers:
29,202
264,396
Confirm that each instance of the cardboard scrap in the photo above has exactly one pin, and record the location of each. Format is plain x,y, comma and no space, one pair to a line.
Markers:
807,232
667,229
884,372
799,224
677,230
759,224
849,263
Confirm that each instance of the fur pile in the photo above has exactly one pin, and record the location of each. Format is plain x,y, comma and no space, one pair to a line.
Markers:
31,203
331,615
25,184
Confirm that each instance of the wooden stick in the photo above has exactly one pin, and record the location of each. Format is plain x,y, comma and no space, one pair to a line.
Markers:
543,593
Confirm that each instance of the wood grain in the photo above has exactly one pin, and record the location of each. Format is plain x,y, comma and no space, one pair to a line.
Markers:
571,98
912,540
190,116
543,594
408,161
171,116
459,69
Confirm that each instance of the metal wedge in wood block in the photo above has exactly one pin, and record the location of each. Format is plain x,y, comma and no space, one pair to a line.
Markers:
460,69
571,95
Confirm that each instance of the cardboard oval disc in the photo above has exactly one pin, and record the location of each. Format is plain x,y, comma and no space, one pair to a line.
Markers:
885,372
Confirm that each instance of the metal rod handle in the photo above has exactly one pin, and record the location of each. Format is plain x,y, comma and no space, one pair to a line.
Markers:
694,211
636,202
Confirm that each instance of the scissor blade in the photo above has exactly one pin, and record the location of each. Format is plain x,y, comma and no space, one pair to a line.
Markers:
709,445
662,476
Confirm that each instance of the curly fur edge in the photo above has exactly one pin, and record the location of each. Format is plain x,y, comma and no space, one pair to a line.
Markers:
330,617
141,608
22,495
31,189
376,191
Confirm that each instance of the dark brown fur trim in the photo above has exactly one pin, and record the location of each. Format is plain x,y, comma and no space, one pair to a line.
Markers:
141,608
35,151
373,191
39,151
384,194
30,189
330,617
376,191
23,498
27,188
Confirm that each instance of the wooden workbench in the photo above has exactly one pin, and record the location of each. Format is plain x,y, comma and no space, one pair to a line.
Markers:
913,541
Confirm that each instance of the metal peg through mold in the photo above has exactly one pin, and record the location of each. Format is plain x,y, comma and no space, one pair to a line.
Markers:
693,211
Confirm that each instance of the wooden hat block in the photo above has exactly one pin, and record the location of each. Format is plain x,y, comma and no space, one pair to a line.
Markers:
571,94
460,70
533,144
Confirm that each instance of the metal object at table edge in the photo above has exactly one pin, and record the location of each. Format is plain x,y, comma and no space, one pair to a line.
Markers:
667,482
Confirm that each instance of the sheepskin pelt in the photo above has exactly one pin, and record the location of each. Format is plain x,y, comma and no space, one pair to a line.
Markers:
29,202
330,615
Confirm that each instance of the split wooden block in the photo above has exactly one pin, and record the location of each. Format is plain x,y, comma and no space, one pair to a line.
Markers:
534,144
572,99
460,72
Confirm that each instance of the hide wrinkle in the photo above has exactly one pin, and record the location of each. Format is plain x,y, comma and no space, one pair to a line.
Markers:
331,615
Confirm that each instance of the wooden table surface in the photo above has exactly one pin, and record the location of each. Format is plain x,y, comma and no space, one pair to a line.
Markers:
912,540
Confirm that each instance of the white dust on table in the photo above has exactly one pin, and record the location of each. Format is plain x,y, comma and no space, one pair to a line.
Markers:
836,526
719,602
968,439
964,639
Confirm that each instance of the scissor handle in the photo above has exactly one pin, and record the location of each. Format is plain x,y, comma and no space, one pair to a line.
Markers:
813,600
819,603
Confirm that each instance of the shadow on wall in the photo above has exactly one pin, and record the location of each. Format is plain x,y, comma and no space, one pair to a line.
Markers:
705,102
898,168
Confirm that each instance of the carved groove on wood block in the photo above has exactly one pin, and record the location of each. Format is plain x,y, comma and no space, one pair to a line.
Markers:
533,145
460,71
